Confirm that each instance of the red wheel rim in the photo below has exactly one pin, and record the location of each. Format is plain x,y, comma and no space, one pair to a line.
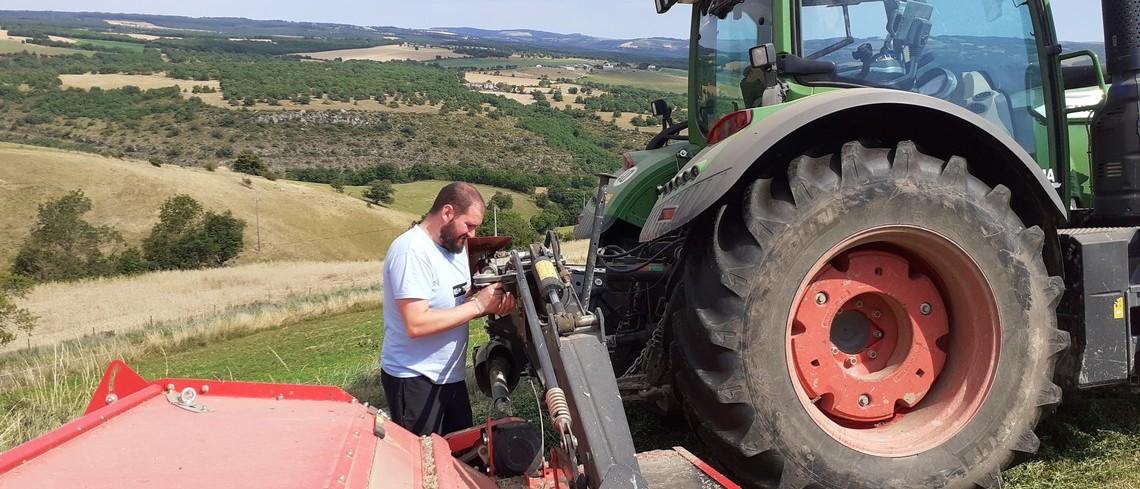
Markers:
893,341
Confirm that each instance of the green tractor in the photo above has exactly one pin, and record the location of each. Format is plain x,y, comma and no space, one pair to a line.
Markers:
874,253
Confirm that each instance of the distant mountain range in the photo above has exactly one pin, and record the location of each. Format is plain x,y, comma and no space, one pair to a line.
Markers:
652,48
648,46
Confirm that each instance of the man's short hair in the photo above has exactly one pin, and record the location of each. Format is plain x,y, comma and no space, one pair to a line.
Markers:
460,195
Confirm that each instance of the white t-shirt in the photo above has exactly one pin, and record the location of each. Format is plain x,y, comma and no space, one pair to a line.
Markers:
418,268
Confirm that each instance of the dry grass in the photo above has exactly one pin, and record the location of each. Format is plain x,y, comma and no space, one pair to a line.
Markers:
297,222
71,311
574,252
48,387
87,81
387,53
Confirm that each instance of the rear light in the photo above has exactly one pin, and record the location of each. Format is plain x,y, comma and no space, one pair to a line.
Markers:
628,161
729,125
668,213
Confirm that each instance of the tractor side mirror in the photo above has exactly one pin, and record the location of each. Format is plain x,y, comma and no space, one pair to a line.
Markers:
664,5
660,108
763,56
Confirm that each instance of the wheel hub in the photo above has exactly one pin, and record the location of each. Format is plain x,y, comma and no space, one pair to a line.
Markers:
868,339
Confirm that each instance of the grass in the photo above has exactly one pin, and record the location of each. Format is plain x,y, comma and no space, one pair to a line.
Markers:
490,63
49,386
1090,442
666,79
9,46
416,198
129,46
290,221
108,306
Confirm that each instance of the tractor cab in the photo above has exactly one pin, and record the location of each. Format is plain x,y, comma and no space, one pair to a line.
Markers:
977,54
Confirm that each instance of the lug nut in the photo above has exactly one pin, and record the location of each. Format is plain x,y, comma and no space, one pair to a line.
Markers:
834,350
876,314
851,361
864,400
924,308
858,303
872,354
821,298
878,334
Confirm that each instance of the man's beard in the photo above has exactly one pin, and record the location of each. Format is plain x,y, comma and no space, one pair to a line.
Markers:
452,241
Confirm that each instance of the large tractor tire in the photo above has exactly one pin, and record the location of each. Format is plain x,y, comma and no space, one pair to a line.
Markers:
876,318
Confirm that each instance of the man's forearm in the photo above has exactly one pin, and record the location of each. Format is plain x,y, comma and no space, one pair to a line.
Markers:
421,320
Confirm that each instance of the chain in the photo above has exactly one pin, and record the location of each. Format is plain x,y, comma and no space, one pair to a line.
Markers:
655,340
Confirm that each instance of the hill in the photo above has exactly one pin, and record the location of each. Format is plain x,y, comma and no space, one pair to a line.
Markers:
295,222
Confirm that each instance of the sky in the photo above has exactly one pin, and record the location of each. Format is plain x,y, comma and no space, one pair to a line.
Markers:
1077,20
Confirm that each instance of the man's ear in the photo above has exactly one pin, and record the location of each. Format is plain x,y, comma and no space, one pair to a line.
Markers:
447,213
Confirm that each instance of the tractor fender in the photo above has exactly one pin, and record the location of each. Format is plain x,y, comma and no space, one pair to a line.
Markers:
769,144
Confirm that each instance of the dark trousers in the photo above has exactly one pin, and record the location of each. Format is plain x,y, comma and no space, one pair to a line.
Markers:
423,407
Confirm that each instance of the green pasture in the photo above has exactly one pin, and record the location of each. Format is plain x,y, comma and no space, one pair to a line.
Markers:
133,47
665,79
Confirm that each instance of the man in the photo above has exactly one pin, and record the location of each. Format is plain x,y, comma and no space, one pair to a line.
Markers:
427,304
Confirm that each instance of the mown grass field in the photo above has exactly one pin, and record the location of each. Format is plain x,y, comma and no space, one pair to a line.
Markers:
489,63
291,221
1090,442
9,46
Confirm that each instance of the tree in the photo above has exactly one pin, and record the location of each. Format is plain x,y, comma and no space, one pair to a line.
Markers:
510,224
249,163
380,191
188,237
63,246
501,200
12,316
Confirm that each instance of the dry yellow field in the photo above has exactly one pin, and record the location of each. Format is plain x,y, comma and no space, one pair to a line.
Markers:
147,37
5,37
146,82
624,121
70,311
387,53
295,222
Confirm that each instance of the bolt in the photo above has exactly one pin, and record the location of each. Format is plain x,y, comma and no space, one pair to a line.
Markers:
834,350
864,400
280,397
205,389
169,387
924,308
872,354
852,361
111,398
858,303
340,479
876,314
821,298
878,334
597,282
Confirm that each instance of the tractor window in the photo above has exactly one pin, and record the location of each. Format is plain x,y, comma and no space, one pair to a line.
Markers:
979,54
728,29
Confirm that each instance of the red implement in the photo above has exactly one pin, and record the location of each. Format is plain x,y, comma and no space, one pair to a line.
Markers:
184,433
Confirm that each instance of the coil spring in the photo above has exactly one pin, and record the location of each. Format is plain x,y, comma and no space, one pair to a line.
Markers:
559,409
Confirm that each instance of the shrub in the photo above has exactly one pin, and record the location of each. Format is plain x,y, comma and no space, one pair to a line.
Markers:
210,165
156,161
380,191
63,246
249,164
188,237
11,316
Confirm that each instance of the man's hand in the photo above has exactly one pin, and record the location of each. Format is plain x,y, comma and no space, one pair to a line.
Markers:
493,299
